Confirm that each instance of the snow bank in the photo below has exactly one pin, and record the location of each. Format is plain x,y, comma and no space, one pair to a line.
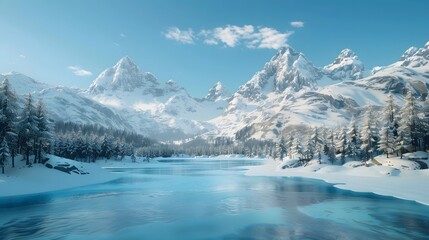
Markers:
396,180
39,178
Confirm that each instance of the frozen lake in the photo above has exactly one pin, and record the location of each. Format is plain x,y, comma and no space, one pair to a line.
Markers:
209,199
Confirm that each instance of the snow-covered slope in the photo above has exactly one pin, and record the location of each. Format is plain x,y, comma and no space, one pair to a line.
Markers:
66,104
23,84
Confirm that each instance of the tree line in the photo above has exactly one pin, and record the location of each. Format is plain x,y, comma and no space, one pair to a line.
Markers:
89,142
23,130
391,130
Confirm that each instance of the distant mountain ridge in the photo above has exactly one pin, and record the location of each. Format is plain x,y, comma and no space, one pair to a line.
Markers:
288,90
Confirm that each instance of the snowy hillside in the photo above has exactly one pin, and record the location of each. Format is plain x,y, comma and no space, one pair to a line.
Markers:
66,104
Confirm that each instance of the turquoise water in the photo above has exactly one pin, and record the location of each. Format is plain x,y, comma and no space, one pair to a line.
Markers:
209,199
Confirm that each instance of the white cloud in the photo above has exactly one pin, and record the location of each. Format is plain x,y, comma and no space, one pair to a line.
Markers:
79,71
123,35
297,24
232,36
271,38
211,41
229,35
116,44
183,36
250,36
22,56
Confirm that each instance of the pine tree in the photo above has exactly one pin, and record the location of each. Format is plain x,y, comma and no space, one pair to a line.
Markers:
389,131
353,138
9,106
289,144
329,146
43,135
27,128
387,141
317,142
425,123
368,135
342,144
4,154
296,149
281,149
107,147
408,125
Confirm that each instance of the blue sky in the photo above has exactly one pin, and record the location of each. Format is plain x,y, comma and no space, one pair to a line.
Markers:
198,43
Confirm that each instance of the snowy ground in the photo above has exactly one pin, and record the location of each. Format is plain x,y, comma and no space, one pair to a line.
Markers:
38,178
394,177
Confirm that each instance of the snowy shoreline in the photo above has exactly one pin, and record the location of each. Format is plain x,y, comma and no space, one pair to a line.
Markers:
382,180
37,179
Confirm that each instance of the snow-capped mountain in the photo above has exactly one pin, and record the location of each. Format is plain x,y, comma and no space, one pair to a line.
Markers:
151,107
288,70
125,76
217,93
329,96
289,90
346,66
416,58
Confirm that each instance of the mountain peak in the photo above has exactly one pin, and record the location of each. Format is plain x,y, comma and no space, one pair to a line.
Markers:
346,66
286,52
217,92
409,53
415,57
125,75
346,53
125,62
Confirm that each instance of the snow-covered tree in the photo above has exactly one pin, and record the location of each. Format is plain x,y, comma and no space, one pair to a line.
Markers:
353,139
281,149
387,140
289,143
425,123
389,111
27,128
388,133
329,146
317,141
309,148
4,154
408,125
342,144
8,124
297,149
368,134
43,135
106,147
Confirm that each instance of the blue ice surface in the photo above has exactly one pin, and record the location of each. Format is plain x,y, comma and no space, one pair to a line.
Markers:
209,199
